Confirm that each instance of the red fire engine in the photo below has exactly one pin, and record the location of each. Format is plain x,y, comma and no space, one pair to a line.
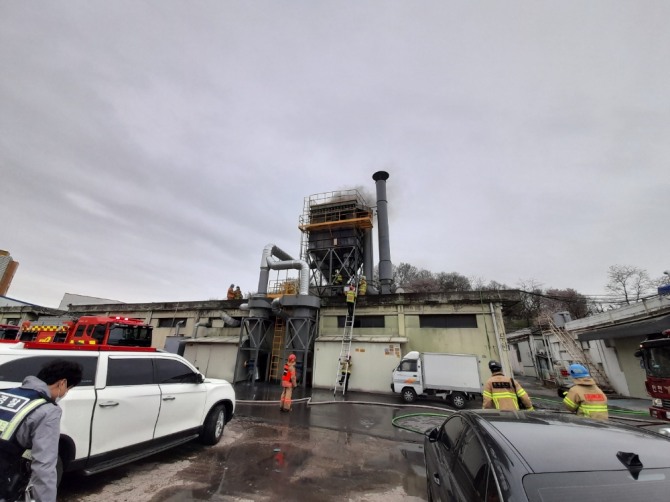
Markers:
655,355
8,332
88,330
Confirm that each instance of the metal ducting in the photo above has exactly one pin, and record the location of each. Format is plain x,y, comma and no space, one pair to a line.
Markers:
287,263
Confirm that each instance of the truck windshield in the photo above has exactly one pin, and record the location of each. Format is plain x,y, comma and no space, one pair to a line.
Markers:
657,361
138,336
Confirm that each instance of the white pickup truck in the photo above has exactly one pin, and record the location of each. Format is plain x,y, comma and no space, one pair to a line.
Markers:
451,376
131,403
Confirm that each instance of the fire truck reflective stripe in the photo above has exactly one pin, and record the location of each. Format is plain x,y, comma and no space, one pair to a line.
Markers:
46,328
11,426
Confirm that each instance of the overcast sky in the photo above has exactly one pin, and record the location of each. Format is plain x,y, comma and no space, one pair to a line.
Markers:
149,151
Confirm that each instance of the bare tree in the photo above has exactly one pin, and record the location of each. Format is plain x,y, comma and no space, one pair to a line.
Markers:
628,281
557,300
453,281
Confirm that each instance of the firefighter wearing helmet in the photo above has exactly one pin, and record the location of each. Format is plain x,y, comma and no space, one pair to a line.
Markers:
585,397
503,393
288,381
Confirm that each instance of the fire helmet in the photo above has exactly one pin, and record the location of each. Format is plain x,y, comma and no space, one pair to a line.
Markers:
579,371
494,366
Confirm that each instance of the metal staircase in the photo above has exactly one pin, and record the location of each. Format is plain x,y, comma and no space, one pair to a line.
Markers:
277,348
578,355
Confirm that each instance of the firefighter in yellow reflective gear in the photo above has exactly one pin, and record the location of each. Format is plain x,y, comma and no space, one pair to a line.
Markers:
351,300
503,393
362,286
585,397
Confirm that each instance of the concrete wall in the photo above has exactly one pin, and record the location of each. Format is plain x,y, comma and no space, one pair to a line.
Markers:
372,364
214,360
632,373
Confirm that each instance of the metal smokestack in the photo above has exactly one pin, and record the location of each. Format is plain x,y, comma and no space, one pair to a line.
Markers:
385,266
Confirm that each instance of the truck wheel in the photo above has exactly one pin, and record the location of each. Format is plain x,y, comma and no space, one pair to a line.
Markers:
408,395
458,400
212,429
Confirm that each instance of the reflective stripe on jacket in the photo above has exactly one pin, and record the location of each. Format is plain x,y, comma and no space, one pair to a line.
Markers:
16,407
587,399
501,393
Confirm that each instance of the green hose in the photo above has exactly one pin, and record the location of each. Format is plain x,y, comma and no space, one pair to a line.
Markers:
415,415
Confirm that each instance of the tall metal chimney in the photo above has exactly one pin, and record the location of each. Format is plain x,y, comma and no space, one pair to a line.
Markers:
385,266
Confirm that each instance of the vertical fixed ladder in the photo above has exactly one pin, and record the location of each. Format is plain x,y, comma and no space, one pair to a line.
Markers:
277,348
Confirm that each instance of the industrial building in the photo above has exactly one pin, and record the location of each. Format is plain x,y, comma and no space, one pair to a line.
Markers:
304,311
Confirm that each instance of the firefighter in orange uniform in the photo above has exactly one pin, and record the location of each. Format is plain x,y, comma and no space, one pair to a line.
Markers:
231,292
503,393
288,381
585,397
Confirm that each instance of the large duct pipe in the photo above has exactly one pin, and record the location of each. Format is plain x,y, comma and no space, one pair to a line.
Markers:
300,265
268,251
385,266
368,256
287,263
229,321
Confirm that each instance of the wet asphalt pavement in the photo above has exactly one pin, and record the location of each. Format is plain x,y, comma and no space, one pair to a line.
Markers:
327,449
358,447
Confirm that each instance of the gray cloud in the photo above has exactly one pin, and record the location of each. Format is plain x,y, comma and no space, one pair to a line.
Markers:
149,151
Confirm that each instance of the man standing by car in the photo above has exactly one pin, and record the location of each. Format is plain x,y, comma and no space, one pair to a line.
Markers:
30,426
585,397
503,393
288,381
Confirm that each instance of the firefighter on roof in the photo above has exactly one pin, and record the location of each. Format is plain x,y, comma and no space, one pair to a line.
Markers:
231,292
362,286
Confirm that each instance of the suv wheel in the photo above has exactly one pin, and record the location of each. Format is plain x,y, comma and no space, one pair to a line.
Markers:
212,429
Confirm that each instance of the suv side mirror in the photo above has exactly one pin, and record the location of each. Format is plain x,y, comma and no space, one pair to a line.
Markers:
201,378
433,435
638,353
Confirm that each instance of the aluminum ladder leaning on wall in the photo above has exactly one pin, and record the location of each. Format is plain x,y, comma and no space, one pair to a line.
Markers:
344,360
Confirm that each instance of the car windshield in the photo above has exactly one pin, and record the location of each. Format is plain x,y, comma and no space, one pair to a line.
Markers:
613,486
657,361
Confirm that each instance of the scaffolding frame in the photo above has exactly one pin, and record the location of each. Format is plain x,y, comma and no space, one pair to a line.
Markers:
333,226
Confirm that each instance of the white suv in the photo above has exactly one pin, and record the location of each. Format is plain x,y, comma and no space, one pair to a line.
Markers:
131,403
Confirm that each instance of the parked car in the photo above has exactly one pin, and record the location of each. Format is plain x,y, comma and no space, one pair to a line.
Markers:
494,456
131,403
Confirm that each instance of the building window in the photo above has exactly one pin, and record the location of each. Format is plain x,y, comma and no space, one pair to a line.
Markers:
364,321
448,321
170,322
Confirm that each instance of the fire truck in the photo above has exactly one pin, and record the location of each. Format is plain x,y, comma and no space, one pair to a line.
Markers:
8,332
88,330
655,358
